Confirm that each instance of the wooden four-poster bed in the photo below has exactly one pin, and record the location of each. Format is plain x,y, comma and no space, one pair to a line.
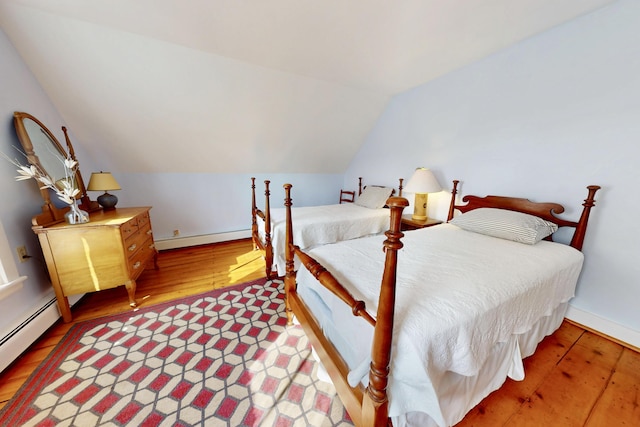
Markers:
458,307
318,225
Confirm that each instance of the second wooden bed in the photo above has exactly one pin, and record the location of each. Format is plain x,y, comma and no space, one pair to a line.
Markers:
318,225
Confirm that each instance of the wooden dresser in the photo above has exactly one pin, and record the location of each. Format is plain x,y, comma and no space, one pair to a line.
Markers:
111,250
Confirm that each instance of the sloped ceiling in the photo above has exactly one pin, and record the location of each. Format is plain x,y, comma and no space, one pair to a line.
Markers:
251,86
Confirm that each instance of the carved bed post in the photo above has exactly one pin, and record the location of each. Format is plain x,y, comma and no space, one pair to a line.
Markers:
581,228
268,248
290,277
375,405
254,209
452,204
400,187
359,186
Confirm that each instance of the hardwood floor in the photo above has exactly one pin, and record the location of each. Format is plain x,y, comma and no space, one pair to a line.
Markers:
575,378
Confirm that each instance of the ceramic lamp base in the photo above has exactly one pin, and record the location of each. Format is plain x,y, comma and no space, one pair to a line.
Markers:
107,201
420,207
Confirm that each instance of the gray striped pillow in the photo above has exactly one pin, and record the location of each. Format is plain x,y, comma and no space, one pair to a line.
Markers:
505,224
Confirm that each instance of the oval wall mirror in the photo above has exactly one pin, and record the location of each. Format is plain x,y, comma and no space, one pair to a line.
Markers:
40,146
43,150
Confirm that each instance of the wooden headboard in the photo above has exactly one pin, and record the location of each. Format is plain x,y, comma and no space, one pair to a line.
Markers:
546,211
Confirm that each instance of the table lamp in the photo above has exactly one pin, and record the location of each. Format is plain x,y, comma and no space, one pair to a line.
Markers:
421,183
104,181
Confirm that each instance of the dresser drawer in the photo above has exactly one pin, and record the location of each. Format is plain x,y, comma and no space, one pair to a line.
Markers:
143,254
129,228
144,222
134,243
144,227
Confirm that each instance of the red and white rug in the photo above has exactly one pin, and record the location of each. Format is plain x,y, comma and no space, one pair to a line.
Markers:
225,358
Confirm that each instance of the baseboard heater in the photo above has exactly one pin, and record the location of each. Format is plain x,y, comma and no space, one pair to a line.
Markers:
24,332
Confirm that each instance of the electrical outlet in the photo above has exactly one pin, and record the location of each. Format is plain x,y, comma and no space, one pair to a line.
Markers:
22,253
176,233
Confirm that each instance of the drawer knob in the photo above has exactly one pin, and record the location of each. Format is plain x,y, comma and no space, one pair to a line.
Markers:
133,247
136,265
149,232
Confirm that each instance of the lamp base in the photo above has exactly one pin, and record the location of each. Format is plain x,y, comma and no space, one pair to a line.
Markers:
107,201
420,207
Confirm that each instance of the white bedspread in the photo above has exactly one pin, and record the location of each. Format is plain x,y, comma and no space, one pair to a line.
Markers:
458,294
319,225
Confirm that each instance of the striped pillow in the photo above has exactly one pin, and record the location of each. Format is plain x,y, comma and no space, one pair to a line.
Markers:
505,224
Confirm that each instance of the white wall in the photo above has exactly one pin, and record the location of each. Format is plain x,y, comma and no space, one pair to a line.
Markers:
541,120
203,204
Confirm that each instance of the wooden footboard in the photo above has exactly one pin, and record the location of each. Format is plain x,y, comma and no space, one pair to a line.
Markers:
368,407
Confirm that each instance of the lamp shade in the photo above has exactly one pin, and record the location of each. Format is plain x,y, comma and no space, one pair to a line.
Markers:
102,181
422,182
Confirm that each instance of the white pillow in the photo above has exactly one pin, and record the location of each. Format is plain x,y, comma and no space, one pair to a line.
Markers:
374,197
506,224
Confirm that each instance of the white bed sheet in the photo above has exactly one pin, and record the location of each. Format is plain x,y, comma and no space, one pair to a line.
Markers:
459,294
319,225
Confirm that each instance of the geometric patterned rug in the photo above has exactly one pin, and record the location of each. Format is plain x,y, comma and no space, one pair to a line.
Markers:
224,358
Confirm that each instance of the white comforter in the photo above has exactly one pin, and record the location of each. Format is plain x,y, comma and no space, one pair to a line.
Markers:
319,225
458,294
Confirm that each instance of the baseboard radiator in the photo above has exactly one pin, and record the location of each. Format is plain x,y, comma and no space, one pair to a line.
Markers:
22,334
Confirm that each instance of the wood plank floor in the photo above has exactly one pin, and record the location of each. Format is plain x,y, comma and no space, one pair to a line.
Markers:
575,378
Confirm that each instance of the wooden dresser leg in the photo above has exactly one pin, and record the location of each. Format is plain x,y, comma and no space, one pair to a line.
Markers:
131,291
65,310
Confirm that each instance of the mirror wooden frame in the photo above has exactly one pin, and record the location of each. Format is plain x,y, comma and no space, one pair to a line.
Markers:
50,212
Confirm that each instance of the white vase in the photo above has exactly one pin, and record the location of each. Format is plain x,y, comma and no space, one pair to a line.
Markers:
76,215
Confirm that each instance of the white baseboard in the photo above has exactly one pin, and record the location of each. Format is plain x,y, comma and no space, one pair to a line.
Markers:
20,335
205,239
602,325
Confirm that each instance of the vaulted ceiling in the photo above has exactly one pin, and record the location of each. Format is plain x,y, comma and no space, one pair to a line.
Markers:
234,86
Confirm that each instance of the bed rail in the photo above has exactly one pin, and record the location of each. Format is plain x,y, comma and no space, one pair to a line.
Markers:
371,407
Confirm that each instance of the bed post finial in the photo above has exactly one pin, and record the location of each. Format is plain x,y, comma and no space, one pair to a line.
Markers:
375,405
452,204
359,186
290,277
581,228
400,187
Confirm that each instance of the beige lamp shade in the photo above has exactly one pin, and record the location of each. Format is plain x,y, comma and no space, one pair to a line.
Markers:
104,181
422,182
